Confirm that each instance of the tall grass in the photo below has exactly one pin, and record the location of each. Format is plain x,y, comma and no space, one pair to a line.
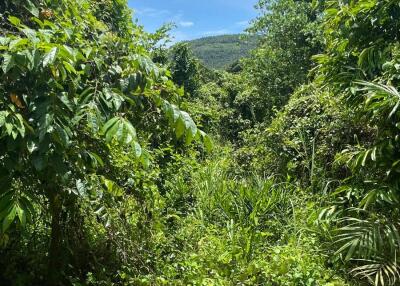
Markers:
243,231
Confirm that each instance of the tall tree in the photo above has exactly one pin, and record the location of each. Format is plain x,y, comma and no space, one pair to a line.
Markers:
184,68
289,37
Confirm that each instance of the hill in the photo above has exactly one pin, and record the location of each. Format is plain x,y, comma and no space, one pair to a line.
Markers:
218,52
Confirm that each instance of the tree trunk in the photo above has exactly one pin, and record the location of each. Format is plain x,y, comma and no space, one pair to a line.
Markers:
56,258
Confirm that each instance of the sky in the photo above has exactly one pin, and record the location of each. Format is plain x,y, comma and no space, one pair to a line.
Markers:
195,18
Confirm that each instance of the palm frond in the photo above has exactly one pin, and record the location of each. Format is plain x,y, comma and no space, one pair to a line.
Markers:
374,243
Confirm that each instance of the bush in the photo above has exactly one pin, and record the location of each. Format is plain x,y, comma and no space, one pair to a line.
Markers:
303,139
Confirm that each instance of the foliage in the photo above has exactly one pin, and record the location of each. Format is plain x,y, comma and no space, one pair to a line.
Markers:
184,68
302,140
359,61
233,234
71,93
218,52
105,178
289,37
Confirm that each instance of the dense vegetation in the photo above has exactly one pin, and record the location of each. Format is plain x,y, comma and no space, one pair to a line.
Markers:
107,180
219,52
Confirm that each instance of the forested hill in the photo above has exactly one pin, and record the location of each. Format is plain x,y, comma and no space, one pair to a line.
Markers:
218,52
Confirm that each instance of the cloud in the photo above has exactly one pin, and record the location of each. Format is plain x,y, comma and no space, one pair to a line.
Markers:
216,32
244,23
186,24
151,12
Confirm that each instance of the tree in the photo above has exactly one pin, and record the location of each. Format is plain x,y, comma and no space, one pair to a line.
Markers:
289,37
184,68
72,85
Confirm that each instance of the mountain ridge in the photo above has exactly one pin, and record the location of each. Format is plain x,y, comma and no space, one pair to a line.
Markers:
219,52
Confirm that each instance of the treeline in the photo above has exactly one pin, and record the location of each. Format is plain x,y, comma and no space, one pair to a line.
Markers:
219,52
106,179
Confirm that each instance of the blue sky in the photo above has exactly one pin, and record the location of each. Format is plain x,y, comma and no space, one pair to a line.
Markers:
195,18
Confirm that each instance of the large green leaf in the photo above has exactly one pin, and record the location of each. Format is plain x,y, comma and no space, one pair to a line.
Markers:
8,63
120,129
50,57
9,219
112,187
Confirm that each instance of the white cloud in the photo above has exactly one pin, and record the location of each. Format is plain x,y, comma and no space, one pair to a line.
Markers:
244,23
217,32
186,24
151,12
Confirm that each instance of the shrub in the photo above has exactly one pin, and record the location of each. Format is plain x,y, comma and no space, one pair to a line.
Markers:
303,139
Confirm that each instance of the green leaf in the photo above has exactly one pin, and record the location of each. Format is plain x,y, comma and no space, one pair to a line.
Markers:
14,20
65,100
365,158
50,57
21,126
191,128
17,43
130,133
120,129
9,128
21,215
92,121
4,41
96,160
145,159
67,53
63,72
180,128
81,188
207,142
6,201
9,218
70,68
111,132
32,8
3,116
113,188
111,128
29,55
108,125
27,205
137,149
63,136
39,162
8,63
